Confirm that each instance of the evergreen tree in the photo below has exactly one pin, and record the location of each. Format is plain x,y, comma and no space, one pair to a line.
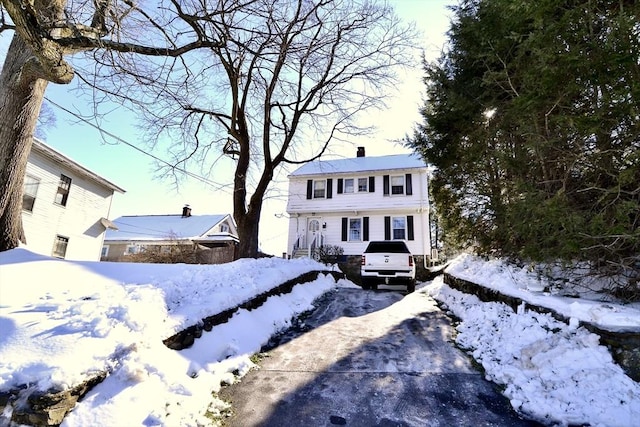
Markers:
532,120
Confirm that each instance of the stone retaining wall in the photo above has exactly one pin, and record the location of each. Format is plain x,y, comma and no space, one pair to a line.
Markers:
624,346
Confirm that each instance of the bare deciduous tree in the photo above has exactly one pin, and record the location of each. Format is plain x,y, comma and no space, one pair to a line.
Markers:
290,77
46,34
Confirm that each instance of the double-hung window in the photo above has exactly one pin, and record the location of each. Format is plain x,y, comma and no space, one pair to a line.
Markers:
29,193
319,188
355,229
363,185
399,227
397,184
60,246
62,194
348,185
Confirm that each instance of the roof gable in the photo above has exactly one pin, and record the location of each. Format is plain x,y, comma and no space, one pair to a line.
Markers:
163,227
361,164
44,150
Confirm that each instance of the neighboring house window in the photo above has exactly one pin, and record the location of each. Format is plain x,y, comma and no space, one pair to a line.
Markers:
134,249
63,190
30,191
319,188
397,185
362,184
355,229
60,246
105,251
348,185
224,228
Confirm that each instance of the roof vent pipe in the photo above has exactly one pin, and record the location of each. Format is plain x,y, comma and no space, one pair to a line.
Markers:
360,152
186,211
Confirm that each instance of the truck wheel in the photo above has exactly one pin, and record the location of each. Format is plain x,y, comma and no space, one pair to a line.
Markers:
411,287
373,286
365,283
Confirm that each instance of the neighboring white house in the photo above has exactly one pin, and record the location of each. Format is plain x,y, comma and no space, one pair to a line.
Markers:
349,202
65,206
215,236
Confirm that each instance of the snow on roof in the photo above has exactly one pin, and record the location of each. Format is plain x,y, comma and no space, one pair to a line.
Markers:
361,164
162,227
58,157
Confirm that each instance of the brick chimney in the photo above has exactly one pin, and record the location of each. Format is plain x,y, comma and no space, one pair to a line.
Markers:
360,152
186,211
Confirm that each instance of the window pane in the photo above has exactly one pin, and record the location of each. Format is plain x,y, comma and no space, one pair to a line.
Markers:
397,180
63,190
348,185
355,225
397,185
318,189
362,184
29,193
399,225
60,246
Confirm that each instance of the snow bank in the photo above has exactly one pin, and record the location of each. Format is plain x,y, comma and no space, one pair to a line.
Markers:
553,372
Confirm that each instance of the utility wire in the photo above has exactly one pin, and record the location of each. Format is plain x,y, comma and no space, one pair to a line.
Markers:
117,138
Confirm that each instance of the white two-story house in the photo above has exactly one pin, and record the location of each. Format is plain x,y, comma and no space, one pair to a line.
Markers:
65,206
349,202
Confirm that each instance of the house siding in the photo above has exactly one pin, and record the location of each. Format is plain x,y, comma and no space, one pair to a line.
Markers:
79,220
372,207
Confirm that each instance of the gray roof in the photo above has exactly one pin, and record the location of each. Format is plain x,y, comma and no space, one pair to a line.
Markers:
361,164
162,227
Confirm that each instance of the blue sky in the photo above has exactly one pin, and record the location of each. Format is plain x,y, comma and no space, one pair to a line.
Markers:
135,172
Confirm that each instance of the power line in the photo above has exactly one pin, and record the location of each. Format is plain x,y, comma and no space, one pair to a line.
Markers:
140,150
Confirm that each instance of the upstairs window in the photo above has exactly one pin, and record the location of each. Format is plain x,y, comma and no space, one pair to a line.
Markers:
362,185
397,184
60,246
29,193
62,194
224,228
319,188
348,185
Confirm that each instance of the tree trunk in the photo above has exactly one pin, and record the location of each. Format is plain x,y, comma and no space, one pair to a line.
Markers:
21,95
248,228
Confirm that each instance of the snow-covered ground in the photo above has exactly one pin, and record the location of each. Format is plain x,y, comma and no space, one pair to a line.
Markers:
62,321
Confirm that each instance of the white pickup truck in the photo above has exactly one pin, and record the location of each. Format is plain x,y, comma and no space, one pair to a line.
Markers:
389,262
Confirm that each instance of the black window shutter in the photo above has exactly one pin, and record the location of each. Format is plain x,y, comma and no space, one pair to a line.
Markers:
387,228
340,181
365,228
372,184
309,188
409,187
329,188
344,229
410,227
385,185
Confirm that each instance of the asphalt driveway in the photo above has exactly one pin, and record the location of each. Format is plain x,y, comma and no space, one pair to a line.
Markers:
366,358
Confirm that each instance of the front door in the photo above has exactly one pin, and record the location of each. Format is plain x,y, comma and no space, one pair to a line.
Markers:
313,232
